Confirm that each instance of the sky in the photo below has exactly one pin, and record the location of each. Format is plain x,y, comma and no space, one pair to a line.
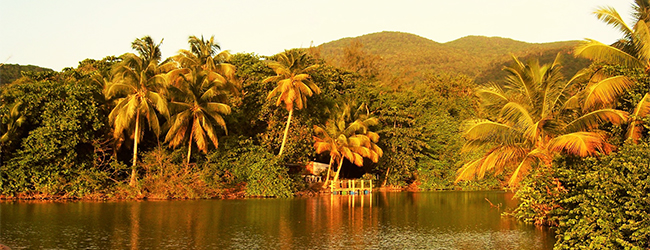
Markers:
59,33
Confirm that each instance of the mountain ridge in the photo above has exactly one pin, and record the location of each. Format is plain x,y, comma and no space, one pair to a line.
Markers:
480,57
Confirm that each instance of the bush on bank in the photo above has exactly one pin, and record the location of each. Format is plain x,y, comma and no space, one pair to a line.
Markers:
594,203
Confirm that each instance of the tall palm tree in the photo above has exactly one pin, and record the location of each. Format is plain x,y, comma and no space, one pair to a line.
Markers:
632,51
196,113
344,138
535,115
133,87
294,83
198,92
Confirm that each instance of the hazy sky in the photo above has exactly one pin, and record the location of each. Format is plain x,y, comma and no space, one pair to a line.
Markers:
58,34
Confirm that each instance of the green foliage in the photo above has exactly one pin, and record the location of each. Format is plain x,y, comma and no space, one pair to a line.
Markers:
594,203
607,206
11,72
420,130
166,176
238,161
408,58
63,126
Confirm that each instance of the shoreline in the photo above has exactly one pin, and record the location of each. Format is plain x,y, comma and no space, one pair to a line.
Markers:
231,195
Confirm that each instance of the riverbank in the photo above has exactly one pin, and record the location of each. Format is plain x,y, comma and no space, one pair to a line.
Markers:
125,193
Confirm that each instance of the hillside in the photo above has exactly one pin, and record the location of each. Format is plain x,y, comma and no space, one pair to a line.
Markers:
405,54
11,72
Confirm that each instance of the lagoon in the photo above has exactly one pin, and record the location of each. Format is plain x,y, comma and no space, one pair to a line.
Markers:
382,220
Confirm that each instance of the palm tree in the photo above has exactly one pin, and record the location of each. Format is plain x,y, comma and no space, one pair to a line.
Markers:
205,54
192,93
534,116
632,51
346,139
133,87
10,123
198,92
292,70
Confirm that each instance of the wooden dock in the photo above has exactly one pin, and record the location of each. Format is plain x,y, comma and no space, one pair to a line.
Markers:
351,187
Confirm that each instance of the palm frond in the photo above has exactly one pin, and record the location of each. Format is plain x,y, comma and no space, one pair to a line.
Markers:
605,91
642,41
468,170
580,144
596,118
635,128
611,17
595,50
485,130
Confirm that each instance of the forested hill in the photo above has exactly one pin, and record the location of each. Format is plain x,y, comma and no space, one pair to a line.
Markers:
404,54
11,72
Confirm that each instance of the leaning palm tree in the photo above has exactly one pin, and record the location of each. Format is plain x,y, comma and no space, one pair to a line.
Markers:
344,138
196,112
535,115
294,83
632,51
133,88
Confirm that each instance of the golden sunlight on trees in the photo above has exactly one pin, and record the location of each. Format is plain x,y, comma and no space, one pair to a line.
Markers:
537,114
294,85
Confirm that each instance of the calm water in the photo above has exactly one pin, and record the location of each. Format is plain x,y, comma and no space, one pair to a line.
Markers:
429,220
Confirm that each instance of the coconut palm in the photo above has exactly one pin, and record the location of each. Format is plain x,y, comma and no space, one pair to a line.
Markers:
535,115
196,113
632,51
344,138
133,89
205,54
294,83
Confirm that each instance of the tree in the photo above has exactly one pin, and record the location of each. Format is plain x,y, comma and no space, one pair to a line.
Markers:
195,112
537,114
632,51
198,93
9,124
135,82
344,138
292,68
205,54
358,60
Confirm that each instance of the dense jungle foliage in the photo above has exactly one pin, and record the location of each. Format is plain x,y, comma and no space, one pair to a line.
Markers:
569,134
59,136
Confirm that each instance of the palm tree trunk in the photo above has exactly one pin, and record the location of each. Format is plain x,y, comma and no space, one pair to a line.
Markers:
336,176
135,149
386,177
189,148
286,131
329,167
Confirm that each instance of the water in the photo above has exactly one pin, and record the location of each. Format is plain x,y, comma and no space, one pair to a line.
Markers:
427,220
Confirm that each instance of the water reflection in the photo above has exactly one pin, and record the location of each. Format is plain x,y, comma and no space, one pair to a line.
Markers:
432,220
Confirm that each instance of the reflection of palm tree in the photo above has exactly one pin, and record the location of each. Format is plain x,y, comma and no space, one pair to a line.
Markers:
343,139
534,117
292,70
135,80
632,51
